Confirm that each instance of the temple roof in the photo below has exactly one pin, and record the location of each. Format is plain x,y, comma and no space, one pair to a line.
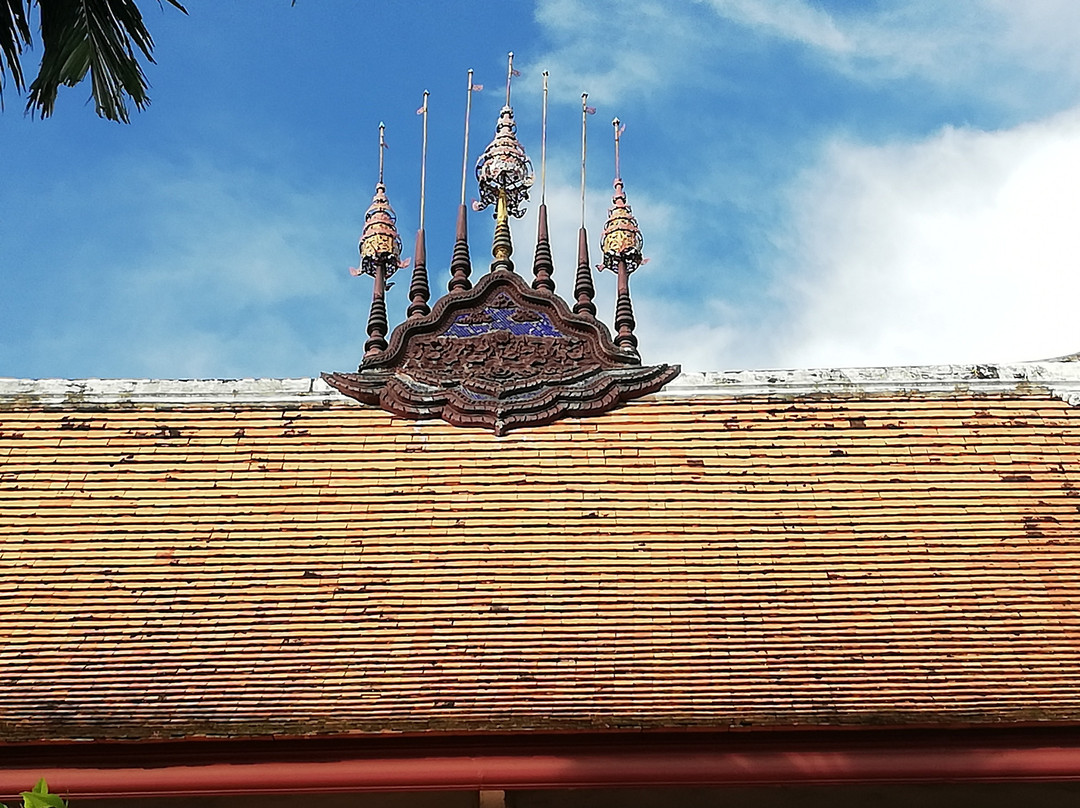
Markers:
777,549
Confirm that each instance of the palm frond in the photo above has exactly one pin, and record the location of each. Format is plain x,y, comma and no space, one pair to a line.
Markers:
14,36
98,37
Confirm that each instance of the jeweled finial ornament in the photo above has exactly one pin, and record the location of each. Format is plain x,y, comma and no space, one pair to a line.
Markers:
380,255
621,240
504,169
380,244
621,244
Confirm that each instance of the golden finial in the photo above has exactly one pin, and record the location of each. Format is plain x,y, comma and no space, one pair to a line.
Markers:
621,240
504,176
621,245
380,256
380,246
504,171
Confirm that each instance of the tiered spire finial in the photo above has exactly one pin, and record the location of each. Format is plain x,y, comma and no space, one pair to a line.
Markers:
380,255
504,169
419,291
461,263
543,267
584,292
504,176
621,245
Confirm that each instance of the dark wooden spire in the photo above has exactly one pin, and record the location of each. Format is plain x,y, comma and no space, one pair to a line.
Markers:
621,245
543,267
377,325
584,292
460,264
380,257
624,313
419,293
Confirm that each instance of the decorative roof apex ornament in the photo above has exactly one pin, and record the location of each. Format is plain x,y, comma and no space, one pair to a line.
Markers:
380,256
621,245
621,240
504,169
380,244
501,354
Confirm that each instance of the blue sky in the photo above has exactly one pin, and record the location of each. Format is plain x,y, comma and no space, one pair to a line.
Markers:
819,183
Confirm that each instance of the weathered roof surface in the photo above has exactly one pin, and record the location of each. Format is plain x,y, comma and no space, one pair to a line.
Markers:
770,550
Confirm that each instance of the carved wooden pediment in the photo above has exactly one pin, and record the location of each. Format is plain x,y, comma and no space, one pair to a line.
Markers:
501,356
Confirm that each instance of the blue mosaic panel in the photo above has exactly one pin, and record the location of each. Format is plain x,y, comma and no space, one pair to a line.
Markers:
471,324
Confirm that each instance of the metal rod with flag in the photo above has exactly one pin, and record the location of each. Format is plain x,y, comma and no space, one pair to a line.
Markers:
460,262
584,291
419,290
543,265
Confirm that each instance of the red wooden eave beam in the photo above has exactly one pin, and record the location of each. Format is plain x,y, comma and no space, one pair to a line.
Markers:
643,764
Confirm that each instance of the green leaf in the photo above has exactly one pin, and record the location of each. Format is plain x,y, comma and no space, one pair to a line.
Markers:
39,797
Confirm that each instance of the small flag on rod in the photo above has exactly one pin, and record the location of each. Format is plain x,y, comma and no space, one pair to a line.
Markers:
476,87
590,110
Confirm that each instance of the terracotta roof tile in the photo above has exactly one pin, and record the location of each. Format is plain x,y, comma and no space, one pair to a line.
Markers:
240,570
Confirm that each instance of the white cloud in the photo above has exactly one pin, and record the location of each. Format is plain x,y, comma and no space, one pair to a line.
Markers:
645,45
788,19
1040,32
954,247
961,247
992,48
700,344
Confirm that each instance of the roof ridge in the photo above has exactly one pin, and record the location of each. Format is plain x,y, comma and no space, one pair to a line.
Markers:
1061,378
